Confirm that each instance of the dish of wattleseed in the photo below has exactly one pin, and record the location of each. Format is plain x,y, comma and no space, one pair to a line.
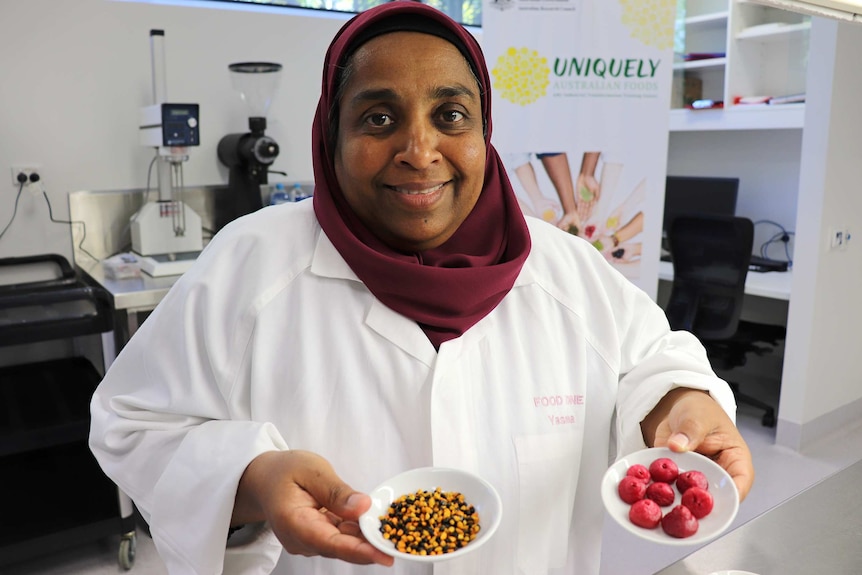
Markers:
430,522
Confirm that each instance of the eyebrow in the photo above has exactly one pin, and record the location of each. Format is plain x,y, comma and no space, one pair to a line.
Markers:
387,94
454,92
374,94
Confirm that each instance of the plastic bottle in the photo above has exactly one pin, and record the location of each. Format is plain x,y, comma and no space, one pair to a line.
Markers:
298,194
279,196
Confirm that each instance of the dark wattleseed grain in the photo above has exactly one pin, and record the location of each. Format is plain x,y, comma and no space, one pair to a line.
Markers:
430,522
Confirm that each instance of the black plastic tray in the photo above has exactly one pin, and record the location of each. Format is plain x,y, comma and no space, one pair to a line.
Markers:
51,309
67,275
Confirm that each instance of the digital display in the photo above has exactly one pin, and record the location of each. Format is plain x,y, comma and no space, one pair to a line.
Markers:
179,123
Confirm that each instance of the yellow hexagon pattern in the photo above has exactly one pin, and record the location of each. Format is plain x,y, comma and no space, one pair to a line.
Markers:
650,21
521,76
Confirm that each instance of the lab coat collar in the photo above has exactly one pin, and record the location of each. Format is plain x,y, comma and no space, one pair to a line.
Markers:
398,329
327,262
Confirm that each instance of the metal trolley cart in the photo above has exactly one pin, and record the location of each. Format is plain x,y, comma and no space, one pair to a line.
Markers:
54,493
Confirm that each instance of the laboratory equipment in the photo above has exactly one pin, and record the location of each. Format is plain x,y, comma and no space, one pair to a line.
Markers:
249,155
167,234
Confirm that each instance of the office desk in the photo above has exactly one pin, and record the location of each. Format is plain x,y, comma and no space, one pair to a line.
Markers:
816,531
774,285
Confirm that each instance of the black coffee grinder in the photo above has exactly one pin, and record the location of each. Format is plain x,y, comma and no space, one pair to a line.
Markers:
250,155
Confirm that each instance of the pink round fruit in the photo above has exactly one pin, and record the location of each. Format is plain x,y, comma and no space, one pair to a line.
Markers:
663,469
679,522
639,471
631,489
692,478
661,492
645,513
699,501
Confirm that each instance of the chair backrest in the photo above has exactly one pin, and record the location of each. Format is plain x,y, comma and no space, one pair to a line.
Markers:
710,257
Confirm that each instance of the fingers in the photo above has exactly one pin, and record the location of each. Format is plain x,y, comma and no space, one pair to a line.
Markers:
692,417
322,533
738,464
697,423
310,509
733,456
352,548
687,435
332,493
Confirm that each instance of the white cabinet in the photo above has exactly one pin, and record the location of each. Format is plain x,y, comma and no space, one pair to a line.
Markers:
739,53
701,47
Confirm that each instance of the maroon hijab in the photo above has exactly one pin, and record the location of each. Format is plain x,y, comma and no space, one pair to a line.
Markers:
446,290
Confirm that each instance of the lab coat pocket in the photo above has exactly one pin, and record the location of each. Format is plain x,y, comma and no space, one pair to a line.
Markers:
547,480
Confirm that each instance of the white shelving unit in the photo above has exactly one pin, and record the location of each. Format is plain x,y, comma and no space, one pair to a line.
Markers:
761,117
774,31
711,20
703,30
704,64
761,52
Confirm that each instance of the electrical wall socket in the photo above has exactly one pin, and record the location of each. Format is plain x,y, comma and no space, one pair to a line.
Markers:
846,242
26,170
839,238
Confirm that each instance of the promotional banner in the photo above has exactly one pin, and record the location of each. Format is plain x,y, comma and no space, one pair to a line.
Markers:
581,111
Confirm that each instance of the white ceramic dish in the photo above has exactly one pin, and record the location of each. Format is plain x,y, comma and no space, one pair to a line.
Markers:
477,492
721,486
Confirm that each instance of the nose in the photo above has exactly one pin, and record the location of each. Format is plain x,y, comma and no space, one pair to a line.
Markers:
419,145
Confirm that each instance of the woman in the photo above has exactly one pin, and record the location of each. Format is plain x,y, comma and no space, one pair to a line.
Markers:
412,318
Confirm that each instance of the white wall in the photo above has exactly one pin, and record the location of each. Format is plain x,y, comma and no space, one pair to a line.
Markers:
76,72
822,384
766,163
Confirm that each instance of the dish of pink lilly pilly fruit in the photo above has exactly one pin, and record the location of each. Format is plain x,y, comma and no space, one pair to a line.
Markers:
670,498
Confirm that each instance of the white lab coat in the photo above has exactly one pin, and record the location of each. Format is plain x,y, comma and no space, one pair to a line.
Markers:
271,342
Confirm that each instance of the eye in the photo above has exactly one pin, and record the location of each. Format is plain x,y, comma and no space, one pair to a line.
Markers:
452,116
379,119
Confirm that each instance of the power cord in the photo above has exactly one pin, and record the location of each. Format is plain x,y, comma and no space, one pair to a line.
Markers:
34,178
781,237
21,183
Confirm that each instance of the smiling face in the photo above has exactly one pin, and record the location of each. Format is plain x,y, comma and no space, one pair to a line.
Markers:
410,153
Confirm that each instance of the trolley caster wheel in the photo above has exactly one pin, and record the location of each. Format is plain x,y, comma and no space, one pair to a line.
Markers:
128,545
768,420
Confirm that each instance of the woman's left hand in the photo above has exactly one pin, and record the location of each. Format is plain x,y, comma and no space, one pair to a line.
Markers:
691,420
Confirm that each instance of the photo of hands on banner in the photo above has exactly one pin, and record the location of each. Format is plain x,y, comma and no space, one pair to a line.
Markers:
588,203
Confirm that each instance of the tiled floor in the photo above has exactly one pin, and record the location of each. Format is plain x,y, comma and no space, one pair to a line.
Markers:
781,473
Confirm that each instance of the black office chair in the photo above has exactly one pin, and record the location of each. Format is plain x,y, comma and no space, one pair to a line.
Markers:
710,257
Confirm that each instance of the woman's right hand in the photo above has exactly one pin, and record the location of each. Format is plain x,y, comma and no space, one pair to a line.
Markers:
309,508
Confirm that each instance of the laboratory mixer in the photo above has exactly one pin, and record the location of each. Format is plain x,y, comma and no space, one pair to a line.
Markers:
167,233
